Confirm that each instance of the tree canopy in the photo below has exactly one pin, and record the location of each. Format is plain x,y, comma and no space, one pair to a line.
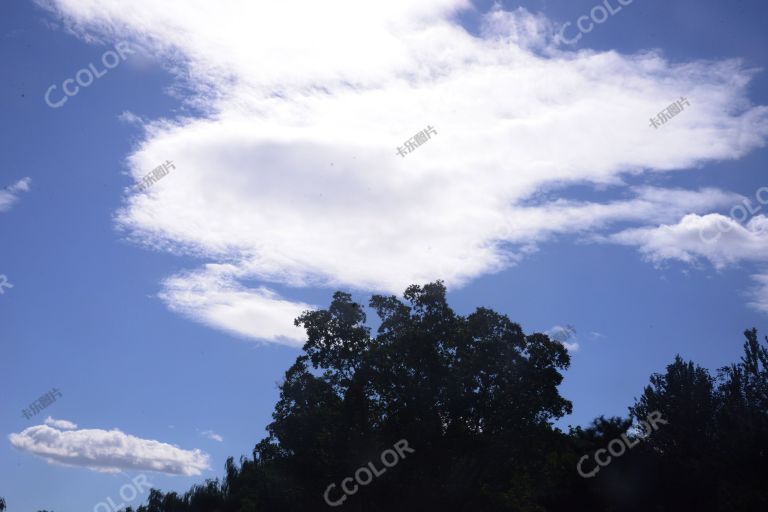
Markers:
477,401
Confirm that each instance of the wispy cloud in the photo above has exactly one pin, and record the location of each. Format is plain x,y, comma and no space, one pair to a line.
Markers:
759,294
9,195
563,334
214,297
108,451
210,434
129,117
60,424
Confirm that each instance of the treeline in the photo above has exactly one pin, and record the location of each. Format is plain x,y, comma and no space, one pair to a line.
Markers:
475,399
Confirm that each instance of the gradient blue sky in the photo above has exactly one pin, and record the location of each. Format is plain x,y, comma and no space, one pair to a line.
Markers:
92,312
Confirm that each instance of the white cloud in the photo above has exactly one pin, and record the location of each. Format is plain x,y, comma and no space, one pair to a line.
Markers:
564,333
108,451
720,240
9,195
210,434
60,424
292,176
759,295
519,28
129,117
571,347
713,237
213,297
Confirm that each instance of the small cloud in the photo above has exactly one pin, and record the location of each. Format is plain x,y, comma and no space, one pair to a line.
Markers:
562,334
759,293
60,424
571,347
129,117
596,335
210,434
108,451
9,195
721,240
20,186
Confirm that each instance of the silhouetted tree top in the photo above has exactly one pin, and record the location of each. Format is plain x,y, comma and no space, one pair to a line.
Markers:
450,385
476,399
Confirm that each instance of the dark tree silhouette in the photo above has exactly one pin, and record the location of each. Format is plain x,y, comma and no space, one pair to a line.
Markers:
475,399
473,396
712,452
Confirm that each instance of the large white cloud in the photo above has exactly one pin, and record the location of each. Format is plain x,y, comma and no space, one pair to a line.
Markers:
108,451
292,176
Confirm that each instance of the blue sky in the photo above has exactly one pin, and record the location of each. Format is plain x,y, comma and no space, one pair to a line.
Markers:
546,195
